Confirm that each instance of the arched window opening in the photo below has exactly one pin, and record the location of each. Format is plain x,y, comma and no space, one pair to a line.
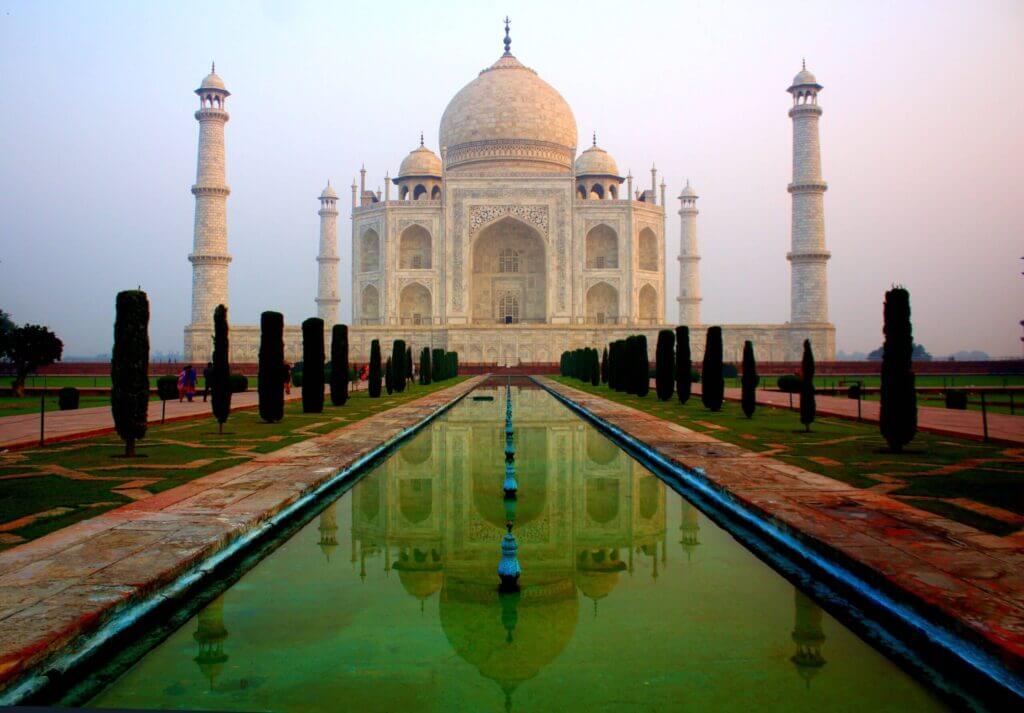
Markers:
414,305
597,192
648,305
369,304
435,193
403,193
370,248
648,250
581,191
602,248
508,308
602,304
613,191
418,191
414,248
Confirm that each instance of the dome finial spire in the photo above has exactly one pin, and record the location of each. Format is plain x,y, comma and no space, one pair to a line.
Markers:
213,67
595,139
508,39
421,139
803,63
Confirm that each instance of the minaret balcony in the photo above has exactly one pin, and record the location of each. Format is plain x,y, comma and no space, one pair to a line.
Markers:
208,190
808,187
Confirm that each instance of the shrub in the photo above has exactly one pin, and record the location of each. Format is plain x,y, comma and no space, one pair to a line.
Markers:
339,365
663,364
956,400
373,382
898,417
854,392
239,383
425,366
713,388
313,365
271,367
748,397
808,406
220,374
167,387
129,368
790,383
684,364
67,398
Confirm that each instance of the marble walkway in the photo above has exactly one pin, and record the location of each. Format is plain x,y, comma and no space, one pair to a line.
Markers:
973,580
61,586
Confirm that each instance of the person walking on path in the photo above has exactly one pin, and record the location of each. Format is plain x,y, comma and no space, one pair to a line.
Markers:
182,376
190,382
287,378
207,373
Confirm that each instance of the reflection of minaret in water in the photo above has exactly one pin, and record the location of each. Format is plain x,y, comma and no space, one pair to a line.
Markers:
689,529
808,637
210,634
328,530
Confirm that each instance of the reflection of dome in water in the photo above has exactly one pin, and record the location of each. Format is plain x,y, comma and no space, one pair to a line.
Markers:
650,492
415,497
421,575
599,449
602,499
210,635
418,450
597,572
474,623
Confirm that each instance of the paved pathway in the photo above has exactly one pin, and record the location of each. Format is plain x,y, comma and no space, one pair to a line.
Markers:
975,580
67,583
23,430
1002,427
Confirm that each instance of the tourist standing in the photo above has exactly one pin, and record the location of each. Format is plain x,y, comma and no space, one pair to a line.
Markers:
287,378
190,382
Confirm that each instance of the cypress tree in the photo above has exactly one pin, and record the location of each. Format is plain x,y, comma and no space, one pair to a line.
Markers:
808,407
313,365
398,365
620,366
425,366
437,364
271,367
562,364
663,366
643,367
595,368
898,417
339,365
749,380
604,366
684,364
712,381
373,384
455,364
389,375
408,364
129,368
220,386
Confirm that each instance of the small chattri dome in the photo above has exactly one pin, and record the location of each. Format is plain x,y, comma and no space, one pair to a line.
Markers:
212,81
421,161
595,161
804,76
688,191
329,192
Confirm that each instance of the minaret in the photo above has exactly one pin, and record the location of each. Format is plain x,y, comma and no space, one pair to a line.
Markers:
209,256
327,299
808,256
689,259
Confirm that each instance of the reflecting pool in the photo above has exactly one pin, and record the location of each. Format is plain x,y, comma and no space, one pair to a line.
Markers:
629,599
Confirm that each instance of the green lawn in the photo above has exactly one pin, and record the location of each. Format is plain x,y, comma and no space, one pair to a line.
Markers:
934,467
11,406
64,483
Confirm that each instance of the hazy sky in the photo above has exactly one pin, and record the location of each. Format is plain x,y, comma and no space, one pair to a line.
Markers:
922,136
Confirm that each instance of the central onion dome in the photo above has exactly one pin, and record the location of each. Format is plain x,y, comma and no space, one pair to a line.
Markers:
509,114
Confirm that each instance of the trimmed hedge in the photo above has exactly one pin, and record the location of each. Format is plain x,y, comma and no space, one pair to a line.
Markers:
67,398
167,387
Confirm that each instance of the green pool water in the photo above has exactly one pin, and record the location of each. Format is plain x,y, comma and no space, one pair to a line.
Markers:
630,599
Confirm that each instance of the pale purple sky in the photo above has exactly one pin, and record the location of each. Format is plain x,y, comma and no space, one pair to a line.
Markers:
922,136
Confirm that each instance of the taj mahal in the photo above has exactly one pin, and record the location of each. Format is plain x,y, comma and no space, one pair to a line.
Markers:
510,247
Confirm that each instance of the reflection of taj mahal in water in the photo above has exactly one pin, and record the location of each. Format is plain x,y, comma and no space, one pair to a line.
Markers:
587,516
508,247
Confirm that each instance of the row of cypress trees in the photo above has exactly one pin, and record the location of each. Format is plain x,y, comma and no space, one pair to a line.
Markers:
583,364
397,371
